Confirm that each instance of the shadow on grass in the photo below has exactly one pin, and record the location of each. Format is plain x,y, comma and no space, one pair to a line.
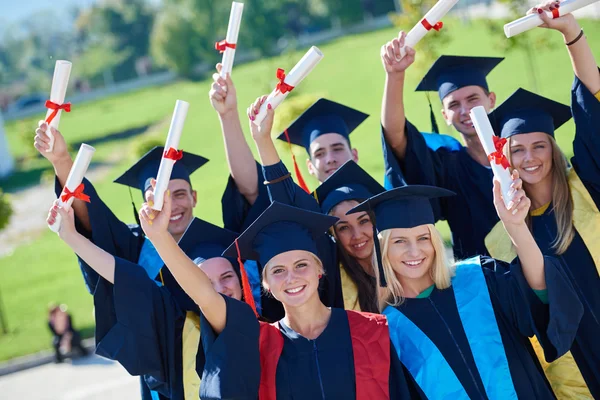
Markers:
111,137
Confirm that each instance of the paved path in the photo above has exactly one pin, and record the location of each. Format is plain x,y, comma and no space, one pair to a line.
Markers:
90,378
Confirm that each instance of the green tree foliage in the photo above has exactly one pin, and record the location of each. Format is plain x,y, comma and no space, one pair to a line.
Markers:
5,210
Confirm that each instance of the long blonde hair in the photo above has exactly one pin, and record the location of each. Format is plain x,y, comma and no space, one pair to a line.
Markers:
562,201
441,271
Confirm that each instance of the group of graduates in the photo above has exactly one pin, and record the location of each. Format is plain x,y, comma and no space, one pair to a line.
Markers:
348,292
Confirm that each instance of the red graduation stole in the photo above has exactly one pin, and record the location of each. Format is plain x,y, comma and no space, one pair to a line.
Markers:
370,346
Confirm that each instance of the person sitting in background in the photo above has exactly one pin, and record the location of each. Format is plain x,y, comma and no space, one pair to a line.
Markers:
65,336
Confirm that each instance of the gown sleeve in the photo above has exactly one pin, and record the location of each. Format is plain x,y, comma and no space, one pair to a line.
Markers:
585,108
136,325
555,324
287,191
238,213
232,359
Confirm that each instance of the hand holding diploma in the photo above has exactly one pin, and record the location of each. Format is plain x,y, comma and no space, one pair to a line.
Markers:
227,46
288,82
56,104
493,146
171,154
391,55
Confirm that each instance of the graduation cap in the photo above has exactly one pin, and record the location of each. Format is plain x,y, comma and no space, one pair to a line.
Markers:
403,207
212,240
450,73
349,182
526,112
139,174
322,117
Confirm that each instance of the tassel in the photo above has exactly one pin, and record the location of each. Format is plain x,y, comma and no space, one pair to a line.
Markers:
434,125
136,215
382,280
299,177
246,288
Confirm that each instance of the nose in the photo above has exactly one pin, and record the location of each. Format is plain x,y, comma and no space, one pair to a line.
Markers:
414,251
329,159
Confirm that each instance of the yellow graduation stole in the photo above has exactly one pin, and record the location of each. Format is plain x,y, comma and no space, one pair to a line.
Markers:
563,373
349,291
190,340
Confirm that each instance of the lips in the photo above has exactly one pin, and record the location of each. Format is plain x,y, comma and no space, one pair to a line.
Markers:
413,263
532,169
176,217
295,291
467,122
359,246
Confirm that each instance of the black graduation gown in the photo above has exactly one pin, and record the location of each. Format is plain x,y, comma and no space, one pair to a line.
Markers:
519,314
577,260
440,160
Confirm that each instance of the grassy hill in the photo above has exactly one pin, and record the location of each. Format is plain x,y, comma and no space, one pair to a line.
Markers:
351,72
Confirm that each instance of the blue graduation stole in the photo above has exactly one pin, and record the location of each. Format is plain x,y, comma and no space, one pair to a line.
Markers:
150,260
425,361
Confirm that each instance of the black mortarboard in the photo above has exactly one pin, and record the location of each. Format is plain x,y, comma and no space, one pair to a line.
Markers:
403,207
526,112
212,240
349,182
139,174
324,116
280,228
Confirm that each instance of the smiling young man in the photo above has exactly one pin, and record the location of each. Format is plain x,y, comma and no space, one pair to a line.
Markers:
413,158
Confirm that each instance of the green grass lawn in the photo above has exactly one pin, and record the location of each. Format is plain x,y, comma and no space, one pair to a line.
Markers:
45,270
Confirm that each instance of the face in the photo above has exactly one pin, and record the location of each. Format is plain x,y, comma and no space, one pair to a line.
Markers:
531,155
292,277
459,103
182,206
411,252
222,276
328,152
354,232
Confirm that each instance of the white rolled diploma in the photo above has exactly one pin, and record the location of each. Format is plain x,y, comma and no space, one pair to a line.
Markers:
233,29
486,137
60,81
433,16
166,165
533,20
300,71
78,171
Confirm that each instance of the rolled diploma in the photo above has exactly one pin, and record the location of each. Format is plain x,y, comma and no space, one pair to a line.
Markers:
486,137
60,81
233,29
533,20
78,170
433,16
300,71
166,165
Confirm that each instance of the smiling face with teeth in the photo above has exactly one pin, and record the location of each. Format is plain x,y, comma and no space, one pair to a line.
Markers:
531,155
458,104
411,254
328,152
354,232
293,277
182,207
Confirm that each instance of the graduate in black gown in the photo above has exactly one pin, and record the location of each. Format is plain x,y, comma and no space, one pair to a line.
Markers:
143,327
413,157
462,330
565,221
314,351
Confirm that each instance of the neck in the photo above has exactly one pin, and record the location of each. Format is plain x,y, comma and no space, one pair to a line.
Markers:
366,265
177,236
414,287
475,149
310,319
540,193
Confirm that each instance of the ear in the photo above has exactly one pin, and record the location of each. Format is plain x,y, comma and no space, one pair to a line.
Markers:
194,198
354,155
311,168
446,118
492,98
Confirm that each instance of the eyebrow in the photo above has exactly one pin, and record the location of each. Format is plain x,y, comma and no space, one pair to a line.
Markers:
404,237
474,95
179,191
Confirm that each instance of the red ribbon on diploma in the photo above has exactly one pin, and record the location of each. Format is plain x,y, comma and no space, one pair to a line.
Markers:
555,13
55,108
173,154
438,26
282,86
498,156
77,193
223,44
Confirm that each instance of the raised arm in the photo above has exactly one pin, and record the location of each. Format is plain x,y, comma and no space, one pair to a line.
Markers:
582,58
262,134
62,162
513,219
393,119
191,278
240,160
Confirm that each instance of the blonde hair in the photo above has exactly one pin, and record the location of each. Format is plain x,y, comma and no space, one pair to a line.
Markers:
562,200
441,271
316,259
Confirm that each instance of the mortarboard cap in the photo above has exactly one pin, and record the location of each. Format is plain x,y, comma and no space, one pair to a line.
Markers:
280,228
349,182
450,73
212,240
526,112
324,116
138,176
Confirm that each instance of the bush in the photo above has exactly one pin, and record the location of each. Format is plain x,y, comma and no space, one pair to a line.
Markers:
5,210
144,146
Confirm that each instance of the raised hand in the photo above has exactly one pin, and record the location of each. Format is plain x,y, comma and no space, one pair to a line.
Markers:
390,55
566,24
222,93
518,208
155,223
41,142
264,130
67,223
